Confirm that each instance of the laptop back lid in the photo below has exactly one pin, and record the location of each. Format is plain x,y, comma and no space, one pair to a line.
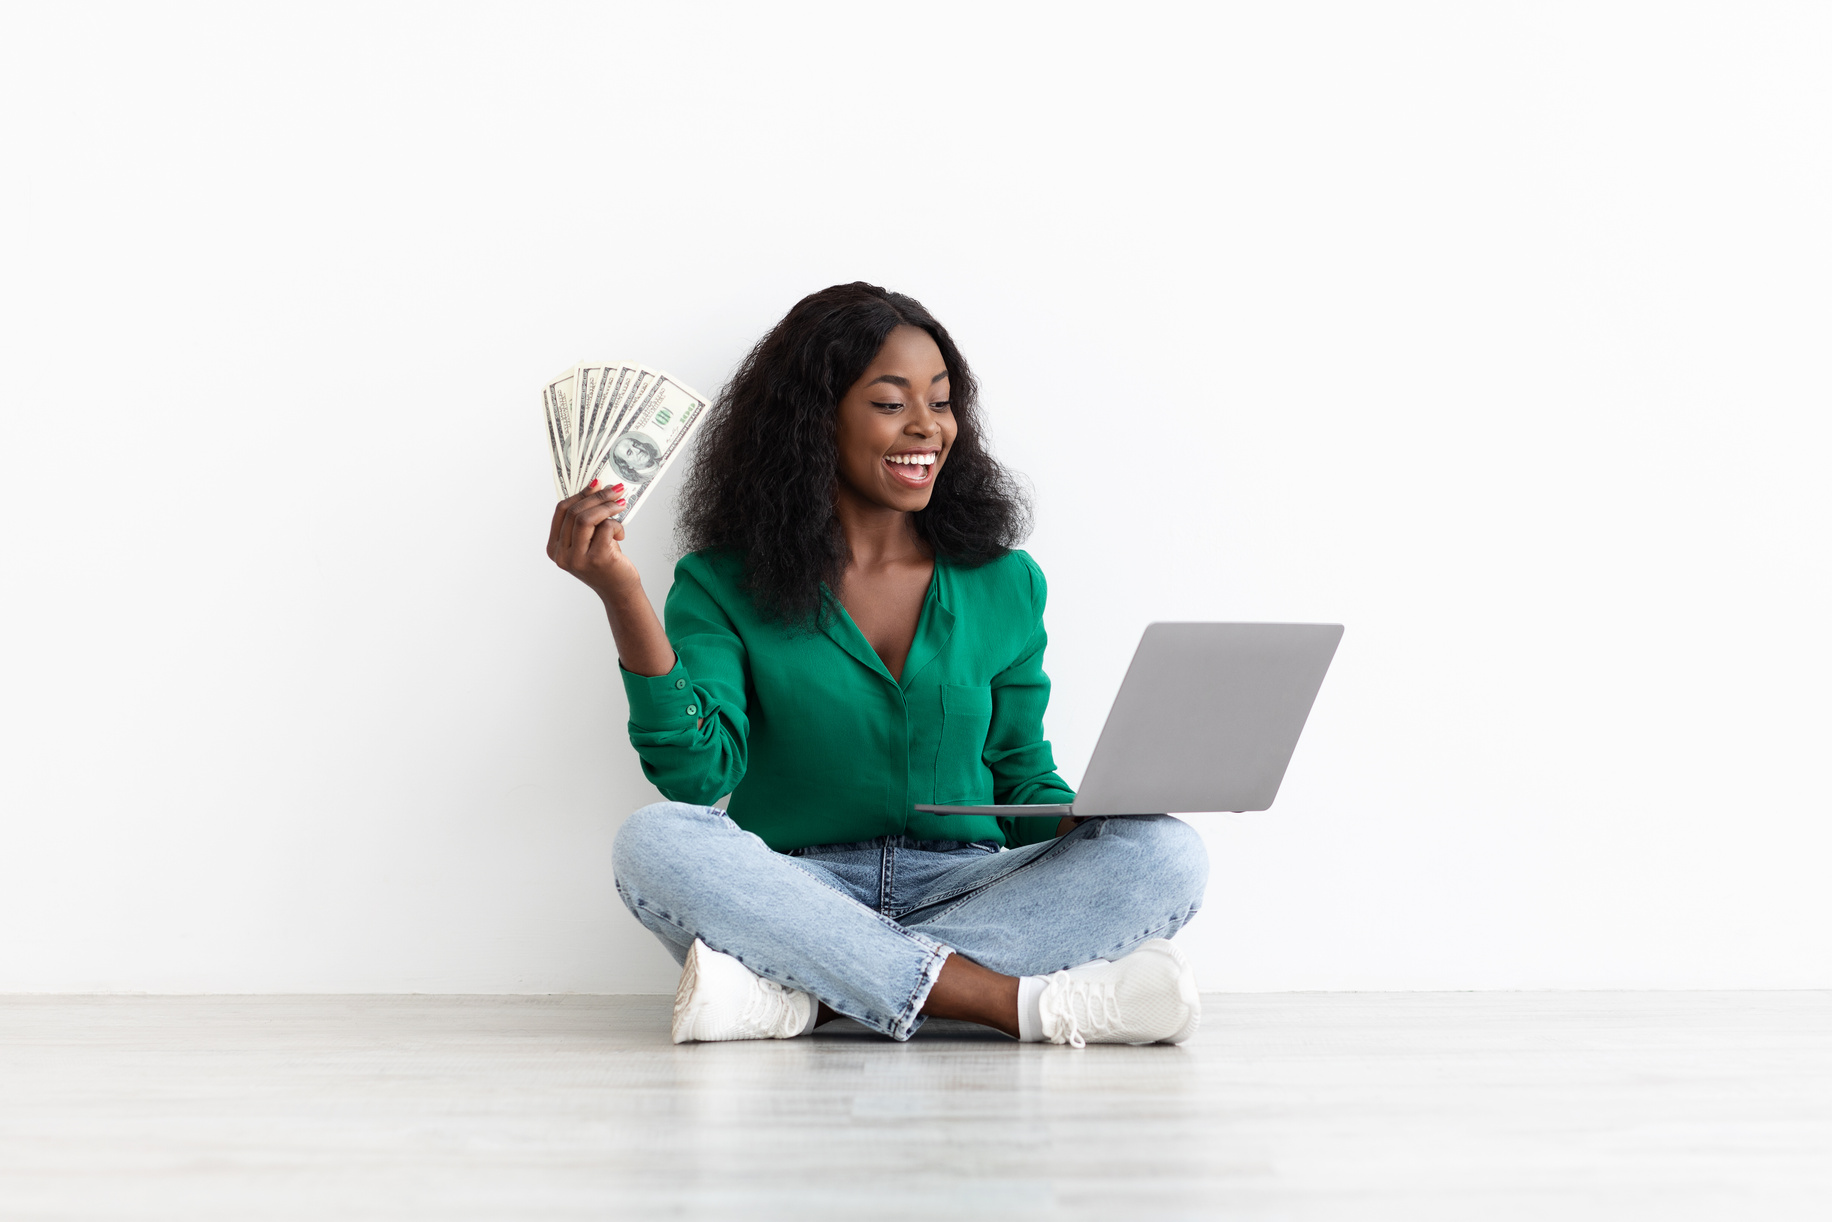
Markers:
1207,718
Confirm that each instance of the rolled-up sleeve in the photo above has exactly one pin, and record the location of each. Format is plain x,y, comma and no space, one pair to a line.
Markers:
1023,768
689,726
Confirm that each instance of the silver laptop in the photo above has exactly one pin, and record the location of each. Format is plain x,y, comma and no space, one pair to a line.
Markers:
1206,720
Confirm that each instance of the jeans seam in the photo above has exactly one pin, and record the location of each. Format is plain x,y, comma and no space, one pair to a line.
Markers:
962,896
1176,920
638,907
826,880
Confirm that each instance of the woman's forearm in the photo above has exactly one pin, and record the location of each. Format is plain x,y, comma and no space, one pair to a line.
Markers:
642,643
586,539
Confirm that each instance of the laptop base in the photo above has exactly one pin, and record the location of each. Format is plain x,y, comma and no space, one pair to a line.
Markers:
1055,811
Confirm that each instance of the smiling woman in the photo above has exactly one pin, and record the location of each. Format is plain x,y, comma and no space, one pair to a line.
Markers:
850,634
776,454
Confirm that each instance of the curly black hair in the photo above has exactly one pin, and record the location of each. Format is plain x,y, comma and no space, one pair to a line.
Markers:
765,471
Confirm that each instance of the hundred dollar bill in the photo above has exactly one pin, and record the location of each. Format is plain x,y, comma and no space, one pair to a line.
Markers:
558,406
659,419
589,393
626,388
603,386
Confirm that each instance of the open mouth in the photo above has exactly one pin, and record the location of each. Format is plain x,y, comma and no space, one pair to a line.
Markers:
913,467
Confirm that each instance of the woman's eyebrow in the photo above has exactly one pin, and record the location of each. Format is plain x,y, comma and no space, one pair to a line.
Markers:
896,379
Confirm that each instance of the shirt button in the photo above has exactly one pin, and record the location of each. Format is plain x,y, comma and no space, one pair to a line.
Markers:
679,684
692,709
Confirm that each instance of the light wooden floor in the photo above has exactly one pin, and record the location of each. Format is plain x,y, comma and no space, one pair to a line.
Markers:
1297,1106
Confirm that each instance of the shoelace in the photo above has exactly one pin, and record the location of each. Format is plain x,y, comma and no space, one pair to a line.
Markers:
1080,1004
769,1007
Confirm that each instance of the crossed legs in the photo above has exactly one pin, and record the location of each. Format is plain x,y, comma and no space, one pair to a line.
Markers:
1098,892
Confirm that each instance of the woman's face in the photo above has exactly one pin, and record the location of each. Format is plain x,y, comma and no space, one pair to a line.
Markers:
895,425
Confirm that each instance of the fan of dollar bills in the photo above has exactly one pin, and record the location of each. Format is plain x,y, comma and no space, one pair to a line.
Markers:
619,424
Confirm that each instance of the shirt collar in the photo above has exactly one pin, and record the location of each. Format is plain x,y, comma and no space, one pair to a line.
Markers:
933,628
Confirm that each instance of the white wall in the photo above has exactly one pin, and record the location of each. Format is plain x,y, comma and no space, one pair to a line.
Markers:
1498,333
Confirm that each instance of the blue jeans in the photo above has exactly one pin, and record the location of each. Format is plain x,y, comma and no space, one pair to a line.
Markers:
866,927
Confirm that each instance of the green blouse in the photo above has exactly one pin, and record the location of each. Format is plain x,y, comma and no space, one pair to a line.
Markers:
817,744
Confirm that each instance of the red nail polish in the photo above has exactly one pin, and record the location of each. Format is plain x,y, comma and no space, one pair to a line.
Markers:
616,487
593,484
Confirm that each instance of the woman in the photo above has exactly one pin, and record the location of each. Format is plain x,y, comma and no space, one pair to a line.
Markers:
852,633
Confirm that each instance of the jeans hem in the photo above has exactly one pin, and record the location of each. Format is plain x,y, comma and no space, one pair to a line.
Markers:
910,1017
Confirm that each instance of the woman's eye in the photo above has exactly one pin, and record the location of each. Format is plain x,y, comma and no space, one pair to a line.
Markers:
941,406
887,407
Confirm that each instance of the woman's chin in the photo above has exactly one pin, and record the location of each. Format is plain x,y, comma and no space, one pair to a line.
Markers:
906,499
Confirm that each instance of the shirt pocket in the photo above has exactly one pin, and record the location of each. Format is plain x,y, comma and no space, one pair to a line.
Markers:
961,775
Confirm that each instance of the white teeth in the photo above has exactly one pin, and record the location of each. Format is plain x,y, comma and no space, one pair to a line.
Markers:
918,460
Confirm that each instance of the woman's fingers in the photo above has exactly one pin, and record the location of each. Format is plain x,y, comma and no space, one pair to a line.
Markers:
571,514
572,555
584,538
586,519
589,525
553,529
557,534
591,515
605,539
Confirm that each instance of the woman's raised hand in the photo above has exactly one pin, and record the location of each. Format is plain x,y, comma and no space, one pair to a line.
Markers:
587,543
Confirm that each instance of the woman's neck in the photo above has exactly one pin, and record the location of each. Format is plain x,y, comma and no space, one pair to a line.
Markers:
877,535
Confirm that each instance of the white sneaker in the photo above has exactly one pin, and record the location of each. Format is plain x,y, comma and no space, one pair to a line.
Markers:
721,999
1148,997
